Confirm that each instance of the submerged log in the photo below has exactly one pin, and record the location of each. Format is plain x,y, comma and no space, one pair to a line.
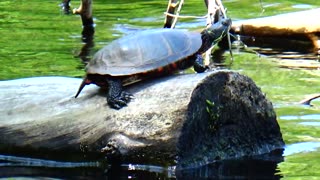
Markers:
41,115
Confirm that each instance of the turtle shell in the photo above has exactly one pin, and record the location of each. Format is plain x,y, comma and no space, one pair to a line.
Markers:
144,51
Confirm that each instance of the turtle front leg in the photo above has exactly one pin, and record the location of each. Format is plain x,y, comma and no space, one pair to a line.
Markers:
116,97
198,65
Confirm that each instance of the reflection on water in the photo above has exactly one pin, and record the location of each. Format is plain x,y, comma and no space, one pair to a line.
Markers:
260,167
282,48
301,117
246,169
301,147
302,6
310,123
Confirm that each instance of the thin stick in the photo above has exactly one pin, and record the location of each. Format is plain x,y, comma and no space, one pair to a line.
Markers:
220,5
177,13
308,100
228,35
262,8
212,10
170,9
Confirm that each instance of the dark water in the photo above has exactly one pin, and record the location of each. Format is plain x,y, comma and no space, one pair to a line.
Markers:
263,167
38,39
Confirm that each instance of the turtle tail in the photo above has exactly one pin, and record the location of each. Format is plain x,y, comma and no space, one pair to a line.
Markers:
84,83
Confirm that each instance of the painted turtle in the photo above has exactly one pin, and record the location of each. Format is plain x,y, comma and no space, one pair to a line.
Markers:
146,54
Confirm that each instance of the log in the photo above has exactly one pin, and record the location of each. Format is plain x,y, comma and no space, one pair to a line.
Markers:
289,30
40,116
301,22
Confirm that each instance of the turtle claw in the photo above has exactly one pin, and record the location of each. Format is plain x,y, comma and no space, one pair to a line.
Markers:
116,97
126,96
120,101
116,104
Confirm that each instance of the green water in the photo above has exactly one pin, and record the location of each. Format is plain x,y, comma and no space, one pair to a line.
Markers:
38,39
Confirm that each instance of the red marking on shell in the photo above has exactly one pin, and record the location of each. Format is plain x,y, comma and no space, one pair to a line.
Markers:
145,72
160,69
88,81
174,65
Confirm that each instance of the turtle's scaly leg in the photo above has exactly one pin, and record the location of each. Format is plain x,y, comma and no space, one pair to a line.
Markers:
116,97
198,65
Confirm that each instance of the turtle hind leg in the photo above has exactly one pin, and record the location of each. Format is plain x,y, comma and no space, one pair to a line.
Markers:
116,97
198,65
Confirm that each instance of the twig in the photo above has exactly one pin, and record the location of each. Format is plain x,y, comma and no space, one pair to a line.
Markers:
307,101
177,13
262,8
212,11
223,10
215,12
170,9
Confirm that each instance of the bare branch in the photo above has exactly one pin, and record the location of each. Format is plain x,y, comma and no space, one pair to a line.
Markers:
177,13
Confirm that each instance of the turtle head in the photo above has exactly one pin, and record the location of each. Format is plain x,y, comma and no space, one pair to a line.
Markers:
85,82
215,33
